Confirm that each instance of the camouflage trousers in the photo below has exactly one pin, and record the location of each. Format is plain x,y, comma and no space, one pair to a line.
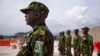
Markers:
62,51
85,54
61,54
77,53
68,51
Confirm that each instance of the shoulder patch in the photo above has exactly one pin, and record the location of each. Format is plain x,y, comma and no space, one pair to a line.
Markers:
75,37
84,38
42,32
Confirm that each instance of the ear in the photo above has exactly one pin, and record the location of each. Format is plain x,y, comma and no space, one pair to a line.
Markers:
37,15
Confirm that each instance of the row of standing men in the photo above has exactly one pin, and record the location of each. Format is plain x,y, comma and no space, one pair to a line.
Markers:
82,45
40,42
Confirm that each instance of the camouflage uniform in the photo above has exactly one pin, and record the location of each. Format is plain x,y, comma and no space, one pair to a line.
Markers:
62,43
87,44
68,45
40,42
76,45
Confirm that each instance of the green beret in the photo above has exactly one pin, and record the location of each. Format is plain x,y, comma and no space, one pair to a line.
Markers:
36,6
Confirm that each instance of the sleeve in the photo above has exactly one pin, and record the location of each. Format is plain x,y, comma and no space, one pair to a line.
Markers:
70,41
74,42
59,42
91,45
49,44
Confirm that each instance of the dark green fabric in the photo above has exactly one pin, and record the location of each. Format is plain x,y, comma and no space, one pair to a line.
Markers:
87,45
62,45
68,45
76,45
41,34
36,6
68,41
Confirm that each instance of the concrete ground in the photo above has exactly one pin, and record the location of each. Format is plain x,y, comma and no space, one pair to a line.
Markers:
8,51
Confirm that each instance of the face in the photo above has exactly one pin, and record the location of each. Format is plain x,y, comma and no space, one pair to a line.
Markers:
30,17
68,32
76,32
84,31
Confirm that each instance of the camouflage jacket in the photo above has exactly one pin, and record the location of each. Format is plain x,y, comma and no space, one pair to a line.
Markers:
76,42
62,42
68,41
40,43
87,44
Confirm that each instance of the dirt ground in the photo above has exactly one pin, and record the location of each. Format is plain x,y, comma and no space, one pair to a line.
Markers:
8,51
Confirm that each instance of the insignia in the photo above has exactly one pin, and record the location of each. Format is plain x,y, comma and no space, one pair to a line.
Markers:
84,38
32,5
42,32
75,37
38,46
66,48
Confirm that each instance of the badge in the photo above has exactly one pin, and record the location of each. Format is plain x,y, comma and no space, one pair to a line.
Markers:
84,38
38,46
75,37
65,48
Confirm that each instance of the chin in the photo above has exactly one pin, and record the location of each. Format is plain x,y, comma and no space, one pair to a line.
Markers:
27,23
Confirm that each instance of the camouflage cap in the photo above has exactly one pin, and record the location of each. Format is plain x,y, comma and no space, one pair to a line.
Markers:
85,28
76,30
36,6
62,32
68,30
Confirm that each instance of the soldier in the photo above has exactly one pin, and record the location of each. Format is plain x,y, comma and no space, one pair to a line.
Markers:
40,42
62,43
76,43
86,43
68,43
